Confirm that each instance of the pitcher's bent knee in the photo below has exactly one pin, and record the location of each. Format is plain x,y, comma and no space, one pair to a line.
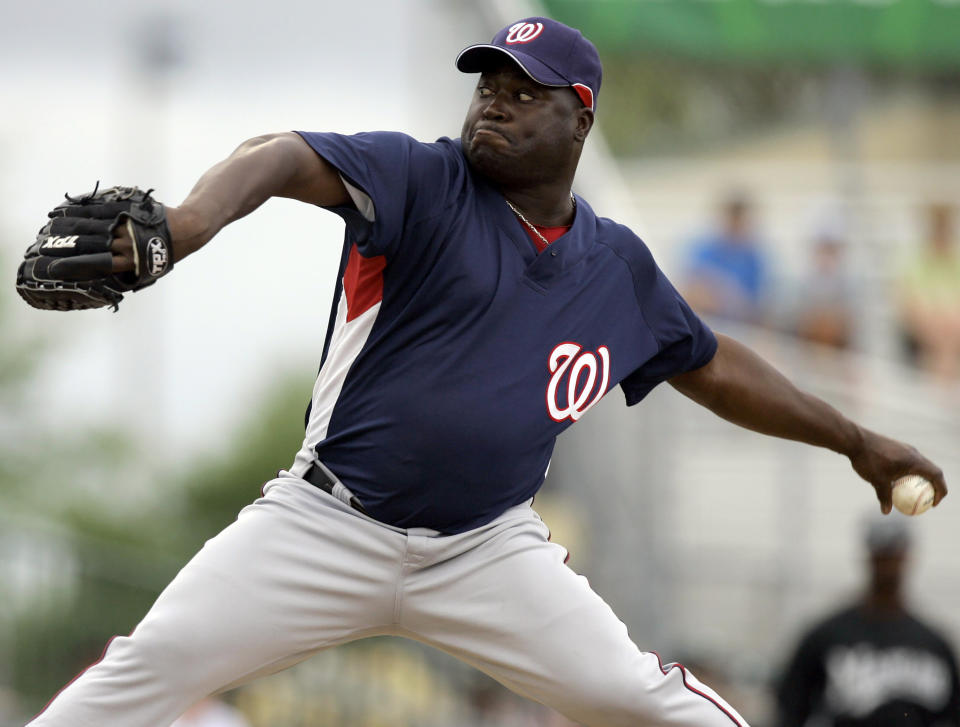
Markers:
170,666
648,693
139,682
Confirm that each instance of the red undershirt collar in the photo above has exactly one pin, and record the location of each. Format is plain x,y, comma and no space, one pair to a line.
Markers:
551,233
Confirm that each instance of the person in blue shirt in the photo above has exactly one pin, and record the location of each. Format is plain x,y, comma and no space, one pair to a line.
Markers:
480,309
727,270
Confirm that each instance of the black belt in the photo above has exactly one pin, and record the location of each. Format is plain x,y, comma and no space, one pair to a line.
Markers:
318,477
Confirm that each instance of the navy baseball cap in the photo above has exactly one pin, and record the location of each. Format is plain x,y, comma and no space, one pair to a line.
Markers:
551,53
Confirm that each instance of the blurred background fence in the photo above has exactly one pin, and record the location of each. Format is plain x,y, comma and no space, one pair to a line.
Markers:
129,439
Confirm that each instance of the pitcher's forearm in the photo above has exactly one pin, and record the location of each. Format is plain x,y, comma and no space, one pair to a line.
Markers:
739,386
744,389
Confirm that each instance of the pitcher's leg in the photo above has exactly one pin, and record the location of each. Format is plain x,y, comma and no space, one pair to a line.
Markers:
508,605
275,586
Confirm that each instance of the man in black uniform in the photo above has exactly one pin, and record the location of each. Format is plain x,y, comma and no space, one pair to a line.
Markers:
873,664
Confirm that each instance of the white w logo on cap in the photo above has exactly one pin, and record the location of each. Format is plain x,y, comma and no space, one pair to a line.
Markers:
524,32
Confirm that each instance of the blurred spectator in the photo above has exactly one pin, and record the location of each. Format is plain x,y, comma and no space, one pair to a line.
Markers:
823,312
930,297
726,272
211,712
873,664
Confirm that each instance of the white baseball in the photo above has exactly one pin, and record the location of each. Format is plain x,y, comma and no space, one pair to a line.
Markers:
912,495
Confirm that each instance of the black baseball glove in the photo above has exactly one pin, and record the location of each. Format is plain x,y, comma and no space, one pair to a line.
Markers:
69,265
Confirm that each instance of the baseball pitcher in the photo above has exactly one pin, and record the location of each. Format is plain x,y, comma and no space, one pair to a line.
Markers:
481,308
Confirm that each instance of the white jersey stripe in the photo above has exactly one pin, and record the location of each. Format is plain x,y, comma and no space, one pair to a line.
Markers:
346,343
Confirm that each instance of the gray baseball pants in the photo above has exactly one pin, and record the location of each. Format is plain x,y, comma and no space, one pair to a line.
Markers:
300,571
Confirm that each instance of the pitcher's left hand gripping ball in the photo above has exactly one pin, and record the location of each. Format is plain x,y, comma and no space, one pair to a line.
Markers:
70,265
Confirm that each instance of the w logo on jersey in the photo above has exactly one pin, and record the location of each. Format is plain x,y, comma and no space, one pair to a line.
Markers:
568,364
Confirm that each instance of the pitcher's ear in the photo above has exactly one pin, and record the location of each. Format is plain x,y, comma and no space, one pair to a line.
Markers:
584,123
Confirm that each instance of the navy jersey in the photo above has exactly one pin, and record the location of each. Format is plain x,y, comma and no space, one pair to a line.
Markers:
455,353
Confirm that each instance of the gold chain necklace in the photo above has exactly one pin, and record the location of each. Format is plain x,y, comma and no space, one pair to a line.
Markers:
529,224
